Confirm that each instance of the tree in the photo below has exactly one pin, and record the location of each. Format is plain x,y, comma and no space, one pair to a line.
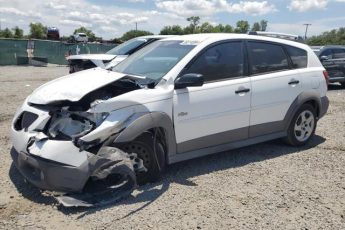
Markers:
194,22
263,25
228,29
37,30
220,28
256,27
134,33
206,28
242,27
18,33
6,33
89,33
333,37
172,30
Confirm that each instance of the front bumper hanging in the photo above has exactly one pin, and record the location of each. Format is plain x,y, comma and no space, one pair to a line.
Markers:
106,177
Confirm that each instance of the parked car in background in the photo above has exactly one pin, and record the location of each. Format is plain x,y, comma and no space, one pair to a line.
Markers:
176,99
53,33
116,55
333,59
80,37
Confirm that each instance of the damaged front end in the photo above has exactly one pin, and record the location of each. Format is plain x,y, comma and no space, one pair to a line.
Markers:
65,147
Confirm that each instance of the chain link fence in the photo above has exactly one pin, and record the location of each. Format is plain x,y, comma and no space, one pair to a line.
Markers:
18,52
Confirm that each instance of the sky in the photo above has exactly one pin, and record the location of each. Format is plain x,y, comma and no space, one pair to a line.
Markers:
112,18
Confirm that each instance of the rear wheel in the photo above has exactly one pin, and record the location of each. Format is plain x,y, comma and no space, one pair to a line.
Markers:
343,84
302,126
151,152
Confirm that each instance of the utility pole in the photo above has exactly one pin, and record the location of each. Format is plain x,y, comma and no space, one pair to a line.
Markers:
136,26
306,30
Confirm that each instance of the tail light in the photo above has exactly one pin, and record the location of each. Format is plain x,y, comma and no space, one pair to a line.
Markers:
325,74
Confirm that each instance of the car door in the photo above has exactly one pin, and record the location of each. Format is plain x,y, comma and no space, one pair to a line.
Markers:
337,71
275,85
217,112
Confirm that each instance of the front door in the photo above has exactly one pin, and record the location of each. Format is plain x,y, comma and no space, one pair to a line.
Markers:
217,112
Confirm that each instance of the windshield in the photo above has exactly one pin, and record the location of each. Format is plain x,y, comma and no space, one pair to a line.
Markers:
317,52
155,60
127,47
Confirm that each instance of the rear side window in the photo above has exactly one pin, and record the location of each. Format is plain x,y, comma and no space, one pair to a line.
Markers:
219,62
338,53
298,57
327,53
266,58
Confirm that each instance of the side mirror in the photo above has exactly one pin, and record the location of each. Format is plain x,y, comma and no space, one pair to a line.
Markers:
189,80
323,58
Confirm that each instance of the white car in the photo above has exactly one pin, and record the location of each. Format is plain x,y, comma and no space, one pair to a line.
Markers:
112,57
80,37
176,99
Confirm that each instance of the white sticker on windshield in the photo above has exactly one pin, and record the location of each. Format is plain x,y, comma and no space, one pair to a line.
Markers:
189,42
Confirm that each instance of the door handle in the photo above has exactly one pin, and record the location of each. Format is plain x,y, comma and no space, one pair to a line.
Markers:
293,82
242,90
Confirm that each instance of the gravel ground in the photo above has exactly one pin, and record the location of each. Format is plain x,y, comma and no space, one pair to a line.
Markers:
265,186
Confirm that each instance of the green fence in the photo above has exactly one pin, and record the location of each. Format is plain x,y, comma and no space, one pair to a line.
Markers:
11,51
14,52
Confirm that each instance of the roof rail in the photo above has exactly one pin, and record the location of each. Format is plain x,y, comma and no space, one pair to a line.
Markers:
290,37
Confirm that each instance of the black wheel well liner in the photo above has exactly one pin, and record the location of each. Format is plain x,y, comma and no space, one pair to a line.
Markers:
149,122
307,97
315,105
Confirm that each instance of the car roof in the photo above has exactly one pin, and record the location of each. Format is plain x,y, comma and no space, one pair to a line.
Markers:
156,36
213,37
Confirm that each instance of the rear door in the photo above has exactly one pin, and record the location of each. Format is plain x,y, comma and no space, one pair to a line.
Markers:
275,85
217,112
337,72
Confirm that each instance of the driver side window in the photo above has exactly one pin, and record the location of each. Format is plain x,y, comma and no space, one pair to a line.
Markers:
219,62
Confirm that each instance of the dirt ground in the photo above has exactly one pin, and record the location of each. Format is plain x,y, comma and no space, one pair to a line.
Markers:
265,186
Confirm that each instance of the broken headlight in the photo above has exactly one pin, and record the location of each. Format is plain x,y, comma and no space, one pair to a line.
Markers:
68,125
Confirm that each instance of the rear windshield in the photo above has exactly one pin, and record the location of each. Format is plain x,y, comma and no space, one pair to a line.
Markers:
128,47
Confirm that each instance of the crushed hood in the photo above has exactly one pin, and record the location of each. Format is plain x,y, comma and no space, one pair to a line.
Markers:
74,86
102,57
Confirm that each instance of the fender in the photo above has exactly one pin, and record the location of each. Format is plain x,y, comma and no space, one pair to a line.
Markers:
145,121
309,95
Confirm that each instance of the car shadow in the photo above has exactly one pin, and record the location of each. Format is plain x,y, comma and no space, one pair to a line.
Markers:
180,173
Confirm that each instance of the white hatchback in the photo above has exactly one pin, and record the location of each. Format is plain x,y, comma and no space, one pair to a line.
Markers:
175,99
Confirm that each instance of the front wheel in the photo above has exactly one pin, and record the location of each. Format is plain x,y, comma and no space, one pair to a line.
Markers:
343,84
152,153
302,126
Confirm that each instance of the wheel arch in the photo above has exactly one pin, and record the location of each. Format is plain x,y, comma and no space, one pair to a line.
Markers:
149,121
307,97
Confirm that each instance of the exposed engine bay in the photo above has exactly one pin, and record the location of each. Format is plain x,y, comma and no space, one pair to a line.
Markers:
97,167
72,120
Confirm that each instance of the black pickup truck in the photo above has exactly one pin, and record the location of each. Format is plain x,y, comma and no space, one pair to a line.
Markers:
333,59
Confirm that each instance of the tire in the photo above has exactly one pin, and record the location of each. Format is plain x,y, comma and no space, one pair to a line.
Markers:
153,158
302,126
342,84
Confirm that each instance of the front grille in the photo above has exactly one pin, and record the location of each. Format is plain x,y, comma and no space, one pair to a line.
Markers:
25,120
